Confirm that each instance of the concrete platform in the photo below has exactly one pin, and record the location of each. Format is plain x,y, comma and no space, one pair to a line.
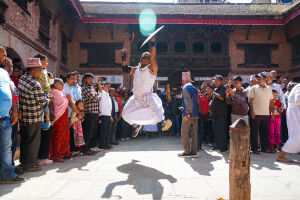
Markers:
150,169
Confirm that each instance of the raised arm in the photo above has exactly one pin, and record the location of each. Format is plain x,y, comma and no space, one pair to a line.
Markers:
153,62
125,67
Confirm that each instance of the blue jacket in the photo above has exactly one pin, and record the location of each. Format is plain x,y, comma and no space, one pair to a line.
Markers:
190,101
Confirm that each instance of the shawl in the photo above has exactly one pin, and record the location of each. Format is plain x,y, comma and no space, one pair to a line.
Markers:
60,103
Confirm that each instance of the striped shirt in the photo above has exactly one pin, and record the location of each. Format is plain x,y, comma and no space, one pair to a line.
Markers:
32,100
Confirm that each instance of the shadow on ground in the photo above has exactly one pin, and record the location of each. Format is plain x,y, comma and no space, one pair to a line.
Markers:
145,180
67,165
203,163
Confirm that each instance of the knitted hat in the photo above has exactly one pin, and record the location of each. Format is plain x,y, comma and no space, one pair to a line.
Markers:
33,62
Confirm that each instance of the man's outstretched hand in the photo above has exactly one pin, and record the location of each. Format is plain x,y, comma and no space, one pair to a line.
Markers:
124,52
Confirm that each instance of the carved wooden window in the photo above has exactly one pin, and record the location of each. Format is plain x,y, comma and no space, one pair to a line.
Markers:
101,54
295,51
44,26
258,55
64,48
180,47
162,47
216,47
198,47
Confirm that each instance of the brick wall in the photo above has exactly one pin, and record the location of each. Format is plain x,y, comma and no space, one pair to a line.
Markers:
259,34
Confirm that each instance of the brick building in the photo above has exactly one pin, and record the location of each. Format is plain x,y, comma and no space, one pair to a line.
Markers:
204,38
28,27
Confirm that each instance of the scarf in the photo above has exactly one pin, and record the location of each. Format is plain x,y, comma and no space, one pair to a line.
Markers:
60,103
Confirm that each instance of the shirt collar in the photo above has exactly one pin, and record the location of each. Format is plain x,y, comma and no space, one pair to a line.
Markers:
187,84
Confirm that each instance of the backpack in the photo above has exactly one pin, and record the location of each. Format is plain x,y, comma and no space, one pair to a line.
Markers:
203,104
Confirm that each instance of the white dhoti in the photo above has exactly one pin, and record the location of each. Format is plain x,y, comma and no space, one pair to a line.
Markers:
145,110
144,107
293,121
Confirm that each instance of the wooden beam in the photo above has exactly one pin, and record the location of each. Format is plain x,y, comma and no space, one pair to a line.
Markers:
89,31
271,29
248,32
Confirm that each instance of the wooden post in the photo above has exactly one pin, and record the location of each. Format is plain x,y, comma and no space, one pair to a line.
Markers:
239,161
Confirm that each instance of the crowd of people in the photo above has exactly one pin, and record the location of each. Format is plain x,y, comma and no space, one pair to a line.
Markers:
58,119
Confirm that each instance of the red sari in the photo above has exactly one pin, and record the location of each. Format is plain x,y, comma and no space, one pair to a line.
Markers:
60,138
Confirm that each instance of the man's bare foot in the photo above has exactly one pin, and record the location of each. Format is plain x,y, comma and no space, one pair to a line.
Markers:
283,159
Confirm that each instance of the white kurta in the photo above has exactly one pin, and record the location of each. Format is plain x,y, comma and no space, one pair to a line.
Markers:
293,121
144,107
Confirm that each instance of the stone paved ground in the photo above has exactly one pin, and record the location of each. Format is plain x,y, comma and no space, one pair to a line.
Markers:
150,169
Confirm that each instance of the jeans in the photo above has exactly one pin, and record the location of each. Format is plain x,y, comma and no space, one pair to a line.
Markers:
6,167
175,124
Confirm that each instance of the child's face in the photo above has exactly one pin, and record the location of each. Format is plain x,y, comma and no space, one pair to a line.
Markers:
80,106
275,95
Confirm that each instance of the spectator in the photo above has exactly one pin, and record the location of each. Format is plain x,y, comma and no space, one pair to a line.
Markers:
91,100
8,66
175,114
44,80
274,135
260,100
76,125
126,128
253,81
105,107
275,86
219,113
60,134
207,122
17,62
77,87
114,117
190,116
68,91
118,97
7,174
45,83
238,98
15,76
32,103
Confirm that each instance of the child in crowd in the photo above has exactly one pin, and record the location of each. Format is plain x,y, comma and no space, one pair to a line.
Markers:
45,83
274,136
76,121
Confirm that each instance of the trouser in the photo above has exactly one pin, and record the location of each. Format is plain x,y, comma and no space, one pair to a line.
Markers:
14,138
45,144
103,132
260,128
274,135
126,129
90,130
6,167
208,135
119,130
189,129
284,129
236,117
113,130
200,130
220,134
175,124
30,143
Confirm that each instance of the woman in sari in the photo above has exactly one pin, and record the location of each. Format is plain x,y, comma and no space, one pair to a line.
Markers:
60,134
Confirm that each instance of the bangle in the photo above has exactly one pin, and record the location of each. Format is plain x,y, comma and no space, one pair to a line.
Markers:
153,43
124,58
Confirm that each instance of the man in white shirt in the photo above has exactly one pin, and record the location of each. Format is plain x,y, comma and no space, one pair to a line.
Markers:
115,110
105,107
